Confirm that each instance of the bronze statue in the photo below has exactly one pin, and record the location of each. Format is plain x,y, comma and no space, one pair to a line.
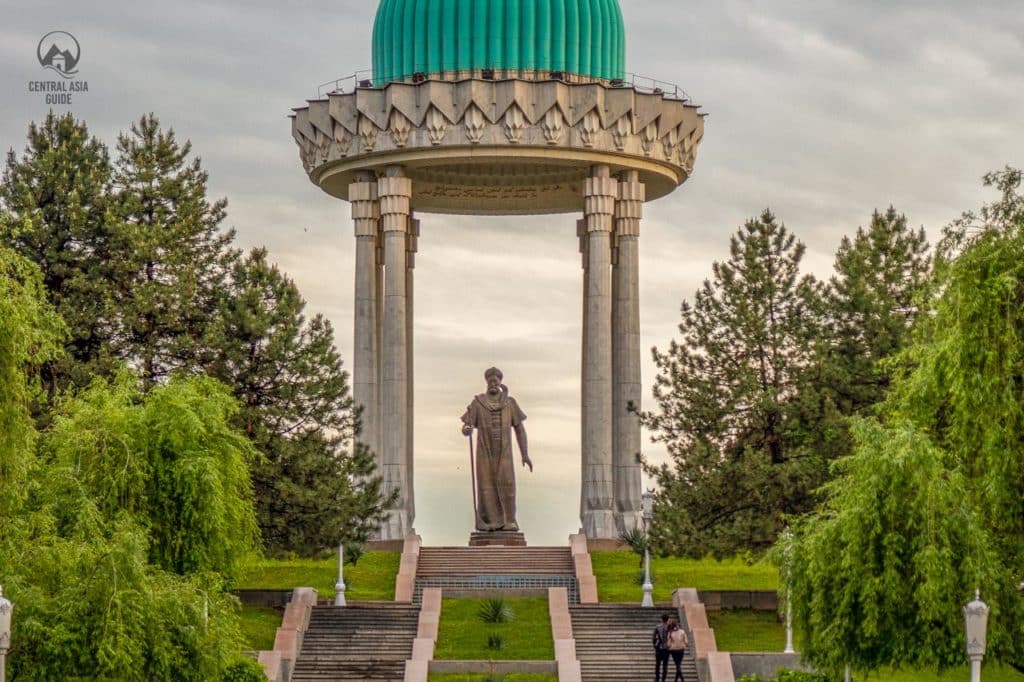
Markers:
494,414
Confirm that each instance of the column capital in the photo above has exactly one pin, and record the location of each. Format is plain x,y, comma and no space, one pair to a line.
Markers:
629,208
362,194
395,191
599,195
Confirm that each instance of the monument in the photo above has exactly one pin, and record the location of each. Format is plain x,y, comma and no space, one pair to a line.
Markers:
493,107
494,415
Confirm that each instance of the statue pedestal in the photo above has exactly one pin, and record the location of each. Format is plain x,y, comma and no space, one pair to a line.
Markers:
497,538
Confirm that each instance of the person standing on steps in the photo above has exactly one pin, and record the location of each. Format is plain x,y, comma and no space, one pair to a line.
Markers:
677,643
660,641
495,416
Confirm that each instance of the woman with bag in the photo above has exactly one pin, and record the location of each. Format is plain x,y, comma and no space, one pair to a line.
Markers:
677,643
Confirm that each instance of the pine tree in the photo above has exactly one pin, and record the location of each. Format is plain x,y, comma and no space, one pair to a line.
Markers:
734,397
297,409
173,254
54,199
872,303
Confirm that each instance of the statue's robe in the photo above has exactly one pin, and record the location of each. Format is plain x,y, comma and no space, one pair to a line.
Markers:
494,419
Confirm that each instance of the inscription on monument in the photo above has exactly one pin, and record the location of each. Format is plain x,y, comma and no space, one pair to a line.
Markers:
488,193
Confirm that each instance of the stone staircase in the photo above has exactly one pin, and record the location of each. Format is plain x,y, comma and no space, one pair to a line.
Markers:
613,643
362,641
469,570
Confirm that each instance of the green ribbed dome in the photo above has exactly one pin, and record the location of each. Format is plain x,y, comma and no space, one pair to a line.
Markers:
584,37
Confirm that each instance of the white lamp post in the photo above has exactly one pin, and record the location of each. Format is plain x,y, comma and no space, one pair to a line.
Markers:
976,625
6,607
648,587
339,587
787,539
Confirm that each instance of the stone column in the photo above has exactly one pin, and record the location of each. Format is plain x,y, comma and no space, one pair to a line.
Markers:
380,331
581,232
362,194
600,194
412,246
626,361
395,191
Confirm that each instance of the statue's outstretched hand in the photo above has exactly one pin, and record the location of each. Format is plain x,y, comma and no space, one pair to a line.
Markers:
467,430
527,462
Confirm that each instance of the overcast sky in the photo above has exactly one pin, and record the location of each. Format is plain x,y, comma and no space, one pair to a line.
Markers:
821,110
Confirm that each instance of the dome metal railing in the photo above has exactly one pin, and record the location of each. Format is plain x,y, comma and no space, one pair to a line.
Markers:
364,79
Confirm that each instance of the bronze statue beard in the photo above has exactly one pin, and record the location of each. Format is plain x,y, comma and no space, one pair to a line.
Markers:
502,389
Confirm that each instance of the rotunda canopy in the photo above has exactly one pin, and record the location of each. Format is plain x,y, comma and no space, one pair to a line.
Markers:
583,38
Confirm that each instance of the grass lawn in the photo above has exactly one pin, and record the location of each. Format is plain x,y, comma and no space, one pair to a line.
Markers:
259,624
463,636
372,579
512,677
988,674
744,631
617,575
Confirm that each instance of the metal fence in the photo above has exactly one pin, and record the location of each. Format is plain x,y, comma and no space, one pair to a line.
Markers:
364,79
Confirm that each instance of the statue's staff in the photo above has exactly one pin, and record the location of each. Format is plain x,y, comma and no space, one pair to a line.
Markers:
472,473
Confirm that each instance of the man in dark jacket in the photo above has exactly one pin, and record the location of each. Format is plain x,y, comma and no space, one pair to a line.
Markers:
660,641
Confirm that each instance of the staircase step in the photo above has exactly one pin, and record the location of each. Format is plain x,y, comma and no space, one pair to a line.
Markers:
445,562
361,641
613,642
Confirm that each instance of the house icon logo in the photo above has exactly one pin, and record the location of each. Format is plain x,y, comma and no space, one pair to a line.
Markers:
59,50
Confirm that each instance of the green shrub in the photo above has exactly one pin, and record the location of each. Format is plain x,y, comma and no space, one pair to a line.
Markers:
788,676
495,611
495,641
800,676
636,538
245,670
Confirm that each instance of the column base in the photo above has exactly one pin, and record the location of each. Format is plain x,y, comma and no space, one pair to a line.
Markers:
394,528
629,521
385,545
600,525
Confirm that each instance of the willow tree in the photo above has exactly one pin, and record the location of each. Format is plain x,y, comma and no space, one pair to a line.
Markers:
172,459
31,334
931,504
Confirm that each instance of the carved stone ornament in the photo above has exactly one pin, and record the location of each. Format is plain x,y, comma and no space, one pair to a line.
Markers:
437,126
648,136
553,125
515,124
367,134
304,148
475,123
590,126
399,127
323,147
342,140
621,131
688,153
668,144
